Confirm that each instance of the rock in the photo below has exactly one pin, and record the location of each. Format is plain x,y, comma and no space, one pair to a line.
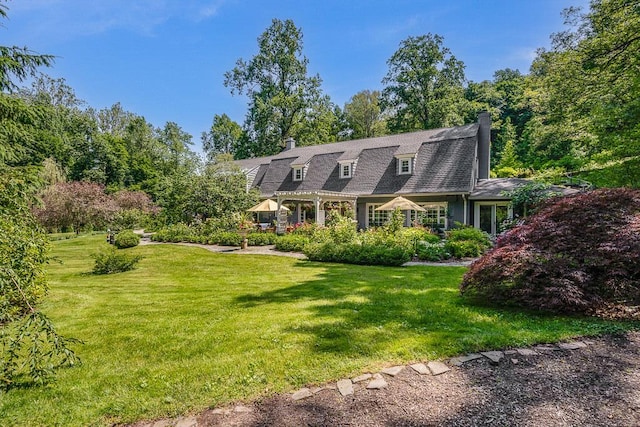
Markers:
345,387
420,368
438,368
510,352
393,371
220,411
303,393
493,356
526,352
377,384
546,348
361,378
162,423
187,422
574,345
241,409
515,361
315,390
458,361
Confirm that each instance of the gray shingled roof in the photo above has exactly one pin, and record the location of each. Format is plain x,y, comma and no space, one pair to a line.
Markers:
444,164
494,188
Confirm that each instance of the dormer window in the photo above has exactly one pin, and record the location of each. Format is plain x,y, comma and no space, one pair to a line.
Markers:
298,173
345,170
405,165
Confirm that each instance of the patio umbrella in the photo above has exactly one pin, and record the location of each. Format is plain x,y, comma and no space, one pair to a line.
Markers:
402,204
267,205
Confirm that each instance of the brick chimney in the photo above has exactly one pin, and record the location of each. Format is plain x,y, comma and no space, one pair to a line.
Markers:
289,143
484,145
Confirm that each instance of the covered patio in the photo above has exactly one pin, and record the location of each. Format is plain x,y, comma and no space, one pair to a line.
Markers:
317,198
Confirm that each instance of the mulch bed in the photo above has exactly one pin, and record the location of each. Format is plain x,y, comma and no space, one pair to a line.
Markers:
598,385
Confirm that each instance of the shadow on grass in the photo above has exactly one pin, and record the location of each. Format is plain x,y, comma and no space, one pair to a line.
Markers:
406,312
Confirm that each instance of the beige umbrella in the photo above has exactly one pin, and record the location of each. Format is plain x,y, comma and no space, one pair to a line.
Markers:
267,205
402,204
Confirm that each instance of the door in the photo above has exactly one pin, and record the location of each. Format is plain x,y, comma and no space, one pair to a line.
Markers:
490,215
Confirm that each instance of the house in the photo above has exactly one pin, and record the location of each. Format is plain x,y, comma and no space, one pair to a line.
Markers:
446,171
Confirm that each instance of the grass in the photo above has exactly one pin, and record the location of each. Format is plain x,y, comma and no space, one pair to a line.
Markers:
190,329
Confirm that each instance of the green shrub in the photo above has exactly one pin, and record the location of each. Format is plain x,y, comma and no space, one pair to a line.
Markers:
433,251
229,238
354,253
261,239
112,261
126,239
464,248
292,242
174,233
467,233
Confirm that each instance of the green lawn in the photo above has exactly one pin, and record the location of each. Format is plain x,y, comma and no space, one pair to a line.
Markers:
190,329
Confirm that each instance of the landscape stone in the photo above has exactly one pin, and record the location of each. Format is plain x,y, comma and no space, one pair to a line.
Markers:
526,352
493,356
187,422
458,361
377,384
220,411
315,390
393,371
438,368
546,348
361,378
510,352
420,368
345,387
241,409
514,361
162,423
574,345
303,393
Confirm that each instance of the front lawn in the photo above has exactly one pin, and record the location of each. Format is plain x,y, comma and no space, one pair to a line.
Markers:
190,329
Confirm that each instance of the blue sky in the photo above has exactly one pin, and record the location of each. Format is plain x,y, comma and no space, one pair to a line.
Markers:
165,59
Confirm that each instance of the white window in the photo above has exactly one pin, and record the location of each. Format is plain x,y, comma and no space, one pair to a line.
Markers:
435,215
405,166
345,170
376,218
298,173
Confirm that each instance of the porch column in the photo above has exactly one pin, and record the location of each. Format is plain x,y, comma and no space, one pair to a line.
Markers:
319,212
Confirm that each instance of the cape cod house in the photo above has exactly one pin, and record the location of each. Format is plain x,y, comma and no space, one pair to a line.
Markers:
445,171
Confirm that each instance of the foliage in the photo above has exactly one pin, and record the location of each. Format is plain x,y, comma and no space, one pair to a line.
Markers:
262,239
229,238
466,242
126,239
525,198
111,261
395,222
424,86
283,100
31,348
75,205
292,242
435,251
174,233
224,137
355,253
364,115
575,254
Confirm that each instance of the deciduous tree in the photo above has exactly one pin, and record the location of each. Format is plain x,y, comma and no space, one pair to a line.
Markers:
424,85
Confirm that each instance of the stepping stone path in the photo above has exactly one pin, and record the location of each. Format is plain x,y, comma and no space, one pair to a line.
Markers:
377,381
